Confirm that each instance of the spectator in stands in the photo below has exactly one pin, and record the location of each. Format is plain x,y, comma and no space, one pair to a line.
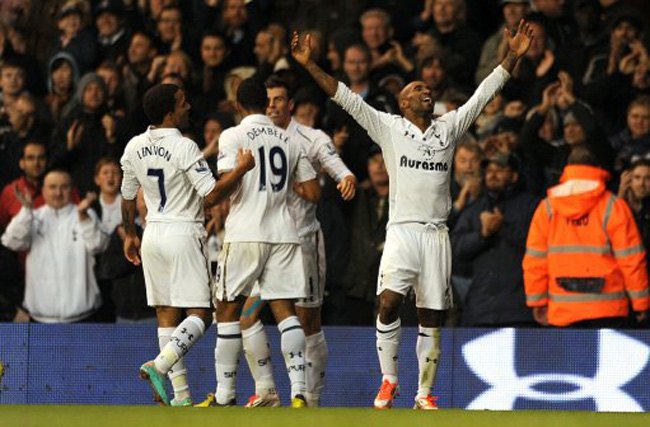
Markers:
88,133
12,83
634,140
215,123
585,58
367,216
19,126
635,190
142,50
112,77
121,283
236,23
12,265
74,38
580,129
461,45
465,185
32,164
113,37
560,28
491,236
169,26
63,75
339,41
356,67
611,92
537,68
495,47
215,53
584,261
432,71
61,240
376,31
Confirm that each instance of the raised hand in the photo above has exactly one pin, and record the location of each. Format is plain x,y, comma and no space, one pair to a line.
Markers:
84,205
520,42
301,51
23,197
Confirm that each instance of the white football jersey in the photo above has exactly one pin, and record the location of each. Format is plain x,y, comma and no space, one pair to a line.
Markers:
258,209
321,154
172,172
419,163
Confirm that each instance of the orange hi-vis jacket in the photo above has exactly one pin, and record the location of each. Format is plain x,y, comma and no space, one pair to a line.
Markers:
584,257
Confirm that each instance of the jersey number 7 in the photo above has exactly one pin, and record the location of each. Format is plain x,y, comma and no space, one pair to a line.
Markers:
159,174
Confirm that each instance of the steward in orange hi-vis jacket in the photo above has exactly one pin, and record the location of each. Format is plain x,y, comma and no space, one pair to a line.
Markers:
584,258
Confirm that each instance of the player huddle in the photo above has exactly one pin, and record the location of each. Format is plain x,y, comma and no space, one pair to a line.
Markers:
267,167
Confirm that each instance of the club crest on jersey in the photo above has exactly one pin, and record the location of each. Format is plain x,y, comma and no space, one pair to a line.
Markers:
427,151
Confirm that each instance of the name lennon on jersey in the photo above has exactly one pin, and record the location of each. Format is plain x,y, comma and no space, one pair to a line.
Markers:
154,150
255,132
405,162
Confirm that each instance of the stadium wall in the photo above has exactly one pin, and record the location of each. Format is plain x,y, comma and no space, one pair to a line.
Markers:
480,369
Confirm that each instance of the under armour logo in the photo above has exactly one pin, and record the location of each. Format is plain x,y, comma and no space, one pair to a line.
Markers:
189,336
201,166
410,134
292,354
431,360
492,358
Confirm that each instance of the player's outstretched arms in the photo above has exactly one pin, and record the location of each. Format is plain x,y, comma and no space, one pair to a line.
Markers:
309,190
302,53
518,45
229,180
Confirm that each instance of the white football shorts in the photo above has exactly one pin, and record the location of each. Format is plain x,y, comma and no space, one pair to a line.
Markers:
175,264
419,256
278,267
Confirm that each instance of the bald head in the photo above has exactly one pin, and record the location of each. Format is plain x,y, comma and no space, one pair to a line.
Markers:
416,99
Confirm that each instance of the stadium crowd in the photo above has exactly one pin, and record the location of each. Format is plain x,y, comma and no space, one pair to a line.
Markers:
73,74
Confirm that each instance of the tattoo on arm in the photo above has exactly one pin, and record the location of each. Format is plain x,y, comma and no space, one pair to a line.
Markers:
510,62
328,83
128,216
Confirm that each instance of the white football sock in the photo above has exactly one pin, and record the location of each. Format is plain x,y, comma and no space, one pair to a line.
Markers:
316,362
258,355
227,352
388,337
428,353
180,342
293,350
178,373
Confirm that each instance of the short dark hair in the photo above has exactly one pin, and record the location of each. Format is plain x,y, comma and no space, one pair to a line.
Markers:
159,101
582,155
641,162
251,95
106,161
34,142
275,81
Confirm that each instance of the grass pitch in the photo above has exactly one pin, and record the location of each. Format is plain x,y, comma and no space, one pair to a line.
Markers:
146,416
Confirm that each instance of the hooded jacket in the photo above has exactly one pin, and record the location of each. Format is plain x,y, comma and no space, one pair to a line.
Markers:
584,257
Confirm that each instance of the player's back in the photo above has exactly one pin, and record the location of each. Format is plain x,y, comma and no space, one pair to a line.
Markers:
160,160
259,211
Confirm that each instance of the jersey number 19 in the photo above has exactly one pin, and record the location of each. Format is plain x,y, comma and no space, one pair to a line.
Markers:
278,166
